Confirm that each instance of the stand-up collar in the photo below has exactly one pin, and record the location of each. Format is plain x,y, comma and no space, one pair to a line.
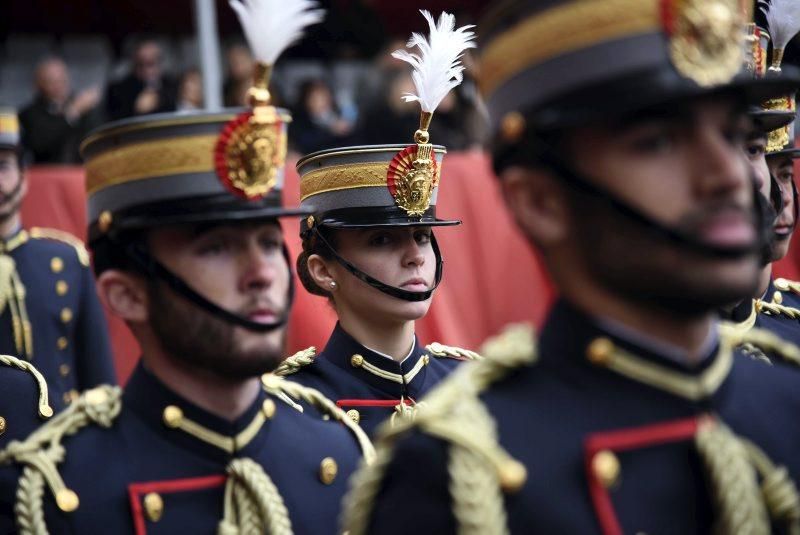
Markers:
182,422
396,379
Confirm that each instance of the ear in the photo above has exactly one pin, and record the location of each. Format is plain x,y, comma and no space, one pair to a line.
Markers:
124,294
321,271
538,204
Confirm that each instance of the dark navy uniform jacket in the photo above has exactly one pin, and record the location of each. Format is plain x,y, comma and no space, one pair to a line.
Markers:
113,470
68,328
369,386
20,404
555,414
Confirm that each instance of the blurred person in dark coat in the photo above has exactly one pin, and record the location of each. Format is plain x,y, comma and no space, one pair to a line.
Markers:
318,122
57,119
148,89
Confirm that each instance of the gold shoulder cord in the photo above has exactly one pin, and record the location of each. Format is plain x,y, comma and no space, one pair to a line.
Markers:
12,292
294,363
42,451
439,350
45,410
64,237
480,469
280,388
762,339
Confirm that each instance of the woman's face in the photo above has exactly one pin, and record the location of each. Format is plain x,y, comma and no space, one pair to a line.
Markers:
398,256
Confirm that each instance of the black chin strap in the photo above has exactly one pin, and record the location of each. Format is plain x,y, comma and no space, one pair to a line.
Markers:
399,293
154,268
775,194
545,155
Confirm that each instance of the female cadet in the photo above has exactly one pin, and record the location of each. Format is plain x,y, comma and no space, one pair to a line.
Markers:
369,248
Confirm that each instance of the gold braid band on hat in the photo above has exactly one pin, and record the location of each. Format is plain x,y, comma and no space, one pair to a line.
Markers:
343,177
45,410
480,469
43,450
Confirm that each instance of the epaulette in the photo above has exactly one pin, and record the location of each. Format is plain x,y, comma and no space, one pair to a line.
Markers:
480,469
786,285
442,351
291,393
295,362
43,450
760,343
63,237
44,408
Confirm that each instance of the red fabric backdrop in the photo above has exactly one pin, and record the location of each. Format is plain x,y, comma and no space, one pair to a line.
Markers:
491,277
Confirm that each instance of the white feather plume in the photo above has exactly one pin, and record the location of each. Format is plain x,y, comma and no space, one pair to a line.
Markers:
271,26
437,66
783,19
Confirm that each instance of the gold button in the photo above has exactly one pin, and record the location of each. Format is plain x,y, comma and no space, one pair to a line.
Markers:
328,470
782,285
56,265
356,360
310,221
173,416
599,351
605,466
354,415
96,396
62,342
513,475
269,408
512,126
153,506
2,425
63,370
70,396
104,221
426,360
67,500
66,315
46,411
62,287
777,298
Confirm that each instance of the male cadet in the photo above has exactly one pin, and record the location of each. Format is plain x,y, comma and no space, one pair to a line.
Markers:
49,312
188,251
620,153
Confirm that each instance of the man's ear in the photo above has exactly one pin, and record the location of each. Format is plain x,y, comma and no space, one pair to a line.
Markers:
124,294
538,203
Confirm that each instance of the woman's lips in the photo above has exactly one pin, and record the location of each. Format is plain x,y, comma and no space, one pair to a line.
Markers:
729,229
415,285
262,316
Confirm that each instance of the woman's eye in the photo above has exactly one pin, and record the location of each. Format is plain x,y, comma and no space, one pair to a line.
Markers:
423,237
654,142
213,248
754,150
380,239
269,244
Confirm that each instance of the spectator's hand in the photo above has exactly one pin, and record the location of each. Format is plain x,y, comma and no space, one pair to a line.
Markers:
146,102
83,102
340,127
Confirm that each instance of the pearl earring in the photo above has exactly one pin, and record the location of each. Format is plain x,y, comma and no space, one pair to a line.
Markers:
332,284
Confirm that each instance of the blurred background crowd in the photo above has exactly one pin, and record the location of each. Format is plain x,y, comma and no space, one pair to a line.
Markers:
341,84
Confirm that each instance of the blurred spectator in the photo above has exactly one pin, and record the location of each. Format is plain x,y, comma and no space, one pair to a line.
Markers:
146,90
317,122
359,29
384,67
239,77
190,90
56,121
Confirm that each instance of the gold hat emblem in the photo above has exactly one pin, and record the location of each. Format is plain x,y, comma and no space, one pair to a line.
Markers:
251,152
705,39
412,178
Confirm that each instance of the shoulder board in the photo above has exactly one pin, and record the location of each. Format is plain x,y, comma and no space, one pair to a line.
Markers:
45,410
42,451
295,362
516,344
759,343
442,351
292,392
776,309
63,237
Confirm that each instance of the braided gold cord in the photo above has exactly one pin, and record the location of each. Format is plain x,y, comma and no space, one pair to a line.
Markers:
454,413
764,340
780,492
42,451
253,504
296,362
276,386
45,410
440,350
739,504
774,309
